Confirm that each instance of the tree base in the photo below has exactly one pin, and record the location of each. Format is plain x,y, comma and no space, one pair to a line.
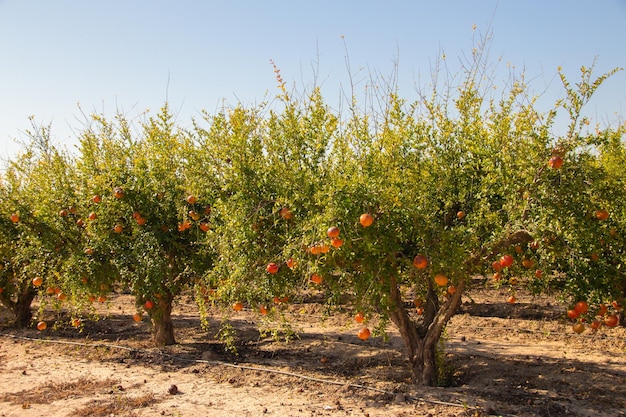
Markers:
162,322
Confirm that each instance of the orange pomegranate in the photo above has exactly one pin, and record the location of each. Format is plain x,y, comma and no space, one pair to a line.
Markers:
316,279
441,280
366,219
333,232
364,333
420,262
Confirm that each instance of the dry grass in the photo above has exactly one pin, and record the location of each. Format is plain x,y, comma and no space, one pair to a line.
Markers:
48,393
118,406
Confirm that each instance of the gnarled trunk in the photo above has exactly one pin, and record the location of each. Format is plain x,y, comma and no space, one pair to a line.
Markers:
421,354
161,317
20,305
22,311
420,339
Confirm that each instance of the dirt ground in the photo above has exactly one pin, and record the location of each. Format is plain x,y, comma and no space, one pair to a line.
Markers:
502,359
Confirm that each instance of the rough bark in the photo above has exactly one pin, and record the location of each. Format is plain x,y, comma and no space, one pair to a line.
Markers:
420,339
21,306
23,313
421,355
163,327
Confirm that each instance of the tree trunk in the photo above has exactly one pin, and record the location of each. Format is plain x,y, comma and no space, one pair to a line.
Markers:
421,340
21,307
162,321
422,355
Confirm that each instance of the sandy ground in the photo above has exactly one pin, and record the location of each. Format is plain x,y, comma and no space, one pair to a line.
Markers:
520,360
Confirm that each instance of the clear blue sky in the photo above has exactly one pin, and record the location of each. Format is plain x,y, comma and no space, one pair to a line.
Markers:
115,54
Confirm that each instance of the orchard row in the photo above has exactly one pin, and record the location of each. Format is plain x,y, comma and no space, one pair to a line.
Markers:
252,206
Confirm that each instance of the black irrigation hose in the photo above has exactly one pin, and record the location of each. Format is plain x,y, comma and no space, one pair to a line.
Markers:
244,367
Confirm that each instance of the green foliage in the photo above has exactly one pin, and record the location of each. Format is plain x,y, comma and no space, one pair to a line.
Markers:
462,179
228,336
38,244
146,234
278,327
460,176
